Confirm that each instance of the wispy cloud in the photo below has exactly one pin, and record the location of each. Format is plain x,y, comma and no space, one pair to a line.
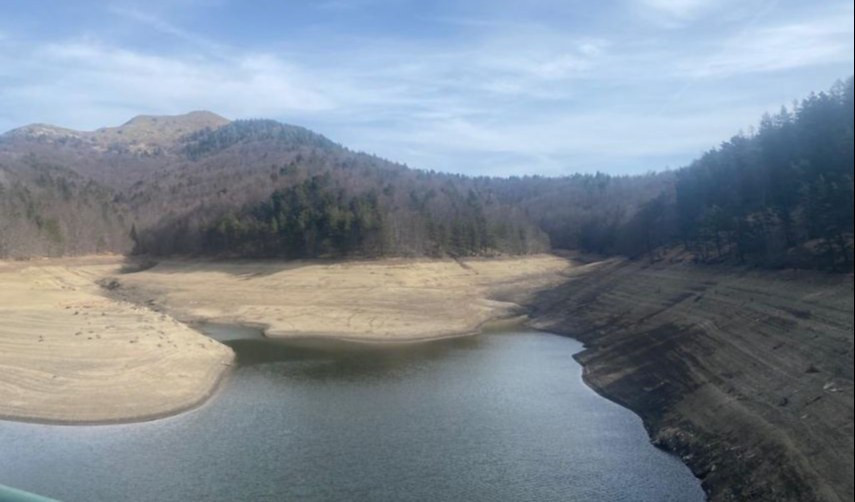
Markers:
673,14
679,9
84,79
164,27
495,95
772,48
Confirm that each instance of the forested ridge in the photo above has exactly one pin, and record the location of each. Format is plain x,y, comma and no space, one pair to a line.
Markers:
782,196
778,197
282,191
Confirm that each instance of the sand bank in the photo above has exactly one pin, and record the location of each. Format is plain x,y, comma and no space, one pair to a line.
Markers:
68,354
74,351
389,299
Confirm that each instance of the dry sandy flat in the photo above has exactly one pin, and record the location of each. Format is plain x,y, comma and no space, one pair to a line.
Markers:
374,300
68,354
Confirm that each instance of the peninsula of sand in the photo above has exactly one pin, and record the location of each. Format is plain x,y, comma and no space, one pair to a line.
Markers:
96,340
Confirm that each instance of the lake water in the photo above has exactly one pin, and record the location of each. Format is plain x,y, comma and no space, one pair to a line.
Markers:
493,417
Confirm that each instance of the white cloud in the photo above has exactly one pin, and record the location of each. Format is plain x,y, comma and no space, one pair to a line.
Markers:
772,48
164,27
79,79
676,13
506,96
680,9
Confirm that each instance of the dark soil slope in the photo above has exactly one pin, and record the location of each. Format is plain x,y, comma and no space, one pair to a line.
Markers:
747,375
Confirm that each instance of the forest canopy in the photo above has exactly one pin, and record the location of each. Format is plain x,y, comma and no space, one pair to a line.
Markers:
778,197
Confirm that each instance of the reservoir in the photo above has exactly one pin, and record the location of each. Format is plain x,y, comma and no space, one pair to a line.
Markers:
493,417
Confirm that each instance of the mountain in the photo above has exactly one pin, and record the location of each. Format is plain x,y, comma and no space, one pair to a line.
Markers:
60,189
200,184
143,135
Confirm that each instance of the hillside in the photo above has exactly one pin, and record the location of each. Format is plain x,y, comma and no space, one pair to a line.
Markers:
61,190
777,197
50,210
746,374
199,184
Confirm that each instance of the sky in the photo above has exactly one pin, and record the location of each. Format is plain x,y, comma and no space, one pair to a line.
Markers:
480,87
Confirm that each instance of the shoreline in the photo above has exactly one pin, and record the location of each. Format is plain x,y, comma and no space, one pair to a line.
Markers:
424,293
202,401
746,375
393,300
70,355
488,326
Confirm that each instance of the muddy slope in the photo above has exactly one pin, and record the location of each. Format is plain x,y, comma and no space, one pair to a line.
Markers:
747,375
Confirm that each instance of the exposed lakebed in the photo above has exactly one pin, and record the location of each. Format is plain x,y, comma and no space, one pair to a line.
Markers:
500,416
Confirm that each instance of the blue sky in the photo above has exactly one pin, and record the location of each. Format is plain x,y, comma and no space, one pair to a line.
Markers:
478,87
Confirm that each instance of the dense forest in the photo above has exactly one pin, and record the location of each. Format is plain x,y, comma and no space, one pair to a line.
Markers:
274,190
305,220
778,197
314,218
50,210
345,210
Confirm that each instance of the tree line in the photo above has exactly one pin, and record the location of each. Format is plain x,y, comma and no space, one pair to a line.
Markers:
306,220
782,196
305,200
778,197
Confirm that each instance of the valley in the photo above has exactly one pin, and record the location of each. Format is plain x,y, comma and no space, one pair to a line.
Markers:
715,300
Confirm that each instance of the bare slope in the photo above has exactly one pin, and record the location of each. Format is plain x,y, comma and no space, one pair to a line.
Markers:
747,375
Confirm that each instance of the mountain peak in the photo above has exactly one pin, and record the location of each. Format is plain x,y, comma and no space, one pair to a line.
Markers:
143,133
162,129
149,133
198,119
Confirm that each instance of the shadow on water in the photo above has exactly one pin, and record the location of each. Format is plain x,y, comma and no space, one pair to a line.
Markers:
329,357
486,418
